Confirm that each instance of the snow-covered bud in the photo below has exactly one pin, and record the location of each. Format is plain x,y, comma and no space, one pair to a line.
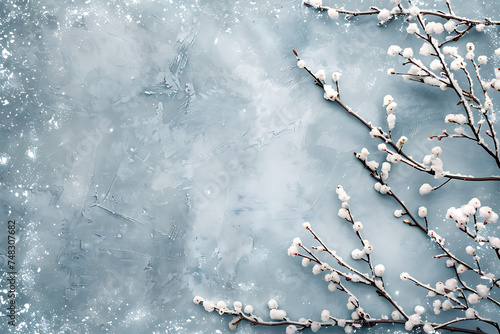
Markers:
451,284
473,298
357,226
401,141
455,118
426,49
425,189
330,93
384,15
438,28
357,254
394,50
494,242
480,27
198,300
291,329
436,304
372,164
395,315
482,60
461,268
412,28
297,241
428,328
398,213
435,236
334,277
305,262
470,313
343,213
488,104
427,159
221,305
390,108
436,65
488,214
237,306
374,133
315,326
293,250
390,71
447,305
436,151
272,304
306,225
440,287
408,52
388,99
496,84
450,26
316,269
475,202
414,11
382,147
409,326
363,155
419,309
470,250
336,76
429,27
450,50
482,290
422,212
321,75
457,64
301,63
325,315
208,305
395,157
379,270
333,13
384,189
368,248
391,119
277,314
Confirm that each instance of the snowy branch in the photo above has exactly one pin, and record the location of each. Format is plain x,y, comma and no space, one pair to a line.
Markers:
447,70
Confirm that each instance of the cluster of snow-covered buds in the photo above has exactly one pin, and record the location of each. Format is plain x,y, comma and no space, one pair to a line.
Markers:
462,216
449,291
238,310
420,72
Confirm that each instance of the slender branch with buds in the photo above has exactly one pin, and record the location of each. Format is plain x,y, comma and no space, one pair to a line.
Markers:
360,317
